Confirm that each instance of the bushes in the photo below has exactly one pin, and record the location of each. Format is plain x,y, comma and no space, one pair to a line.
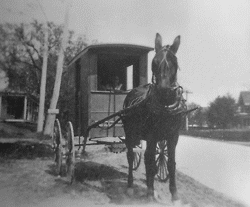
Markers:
220,134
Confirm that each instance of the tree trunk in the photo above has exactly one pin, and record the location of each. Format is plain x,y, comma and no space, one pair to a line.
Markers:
51,116
43,81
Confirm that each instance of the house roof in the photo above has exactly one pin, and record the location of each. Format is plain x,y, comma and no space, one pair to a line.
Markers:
244,98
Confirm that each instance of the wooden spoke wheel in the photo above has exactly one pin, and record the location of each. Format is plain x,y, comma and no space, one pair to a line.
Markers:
57,146
70,152
162,160
137,160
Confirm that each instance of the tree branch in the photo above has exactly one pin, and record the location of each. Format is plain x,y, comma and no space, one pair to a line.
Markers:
32,59
27,63
34,48
26,44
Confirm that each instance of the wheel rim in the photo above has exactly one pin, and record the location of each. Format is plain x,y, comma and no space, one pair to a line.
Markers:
136,160
70,137
162,160
57,145
57,134
70,151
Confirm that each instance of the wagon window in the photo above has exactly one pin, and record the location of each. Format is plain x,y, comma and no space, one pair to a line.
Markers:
111,66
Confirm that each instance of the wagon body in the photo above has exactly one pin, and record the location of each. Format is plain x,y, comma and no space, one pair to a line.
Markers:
86,74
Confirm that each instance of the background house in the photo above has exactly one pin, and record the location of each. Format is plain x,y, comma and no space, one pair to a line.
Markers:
18,107
243,112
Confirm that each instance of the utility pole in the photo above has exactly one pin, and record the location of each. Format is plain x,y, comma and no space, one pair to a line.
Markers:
43,80
187,92
52,110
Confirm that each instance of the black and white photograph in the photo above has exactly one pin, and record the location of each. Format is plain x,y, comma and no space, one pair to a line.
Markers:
125,103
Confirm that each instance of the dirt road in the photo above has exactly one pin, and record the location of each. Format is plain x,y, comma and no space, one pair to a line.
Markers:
28,179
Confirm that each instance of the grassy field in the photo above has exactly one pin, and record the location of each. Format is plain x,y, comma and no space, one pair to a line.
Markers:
20,131
238,135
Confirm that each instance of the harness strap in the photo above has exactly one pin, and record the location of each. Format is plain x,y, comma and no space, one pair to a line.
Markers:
156,107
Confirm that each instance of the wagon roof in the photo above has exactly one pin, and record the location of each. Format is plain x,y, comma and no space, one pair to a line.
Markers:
122,48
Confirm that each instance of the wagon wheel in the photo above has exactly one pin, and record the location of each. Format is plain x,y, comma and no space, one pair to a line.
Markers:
57,146
70,152
137,159
162,160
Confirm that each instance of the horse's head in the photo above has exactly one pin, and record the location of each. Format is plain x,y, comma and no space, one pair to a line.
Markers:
164,64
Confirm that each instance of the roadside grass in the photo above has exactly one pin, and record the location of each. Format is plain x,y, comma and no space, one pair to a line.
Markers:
20,131
236,135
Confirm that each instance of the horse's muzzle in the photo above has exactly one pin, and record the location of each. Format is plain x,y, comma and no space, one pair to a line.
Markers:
178,90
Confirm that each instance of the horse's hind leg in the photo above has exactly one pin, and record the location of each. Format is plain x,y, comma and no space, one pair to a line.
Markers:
150,166
172,142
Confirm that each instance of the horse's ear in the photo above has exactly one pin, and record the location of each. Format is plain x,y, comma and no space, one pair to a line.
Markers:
158,42
175,46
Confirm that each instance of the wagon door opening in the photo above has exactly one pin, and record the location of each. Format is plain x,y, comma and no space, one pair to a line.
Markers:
130,77
109,67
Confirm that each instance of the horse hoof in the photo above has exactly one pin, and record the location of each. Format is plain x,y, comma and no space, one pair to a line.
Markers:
151,196
151,199
175,197
156,195
130,191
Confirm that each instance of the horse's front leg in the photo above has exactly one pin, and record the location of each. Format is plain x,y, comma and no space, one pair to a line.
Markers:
172,142
150,166
130,157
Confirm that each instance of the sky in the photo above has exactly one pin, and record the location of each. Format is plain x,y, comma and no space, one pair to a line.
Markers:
214,55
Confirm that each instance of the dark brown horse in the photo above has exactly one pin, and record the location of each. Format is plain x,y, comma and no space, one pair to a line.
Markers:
157,115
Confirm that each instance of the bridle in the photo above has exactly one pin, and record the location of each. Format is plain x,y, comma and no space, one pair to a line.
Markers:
175,86
166,49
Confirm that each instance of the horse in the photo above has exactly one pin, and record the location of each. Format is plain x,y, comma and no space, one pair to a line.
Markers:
157,115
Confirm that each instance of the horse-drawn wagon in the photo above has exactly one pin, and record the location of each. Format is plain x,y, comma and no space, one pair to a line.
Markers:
95,112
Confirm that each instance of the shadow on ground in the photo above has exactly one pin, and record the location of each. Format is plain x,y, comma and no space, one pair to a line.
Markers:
108,180
103,181
22,149
94,171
